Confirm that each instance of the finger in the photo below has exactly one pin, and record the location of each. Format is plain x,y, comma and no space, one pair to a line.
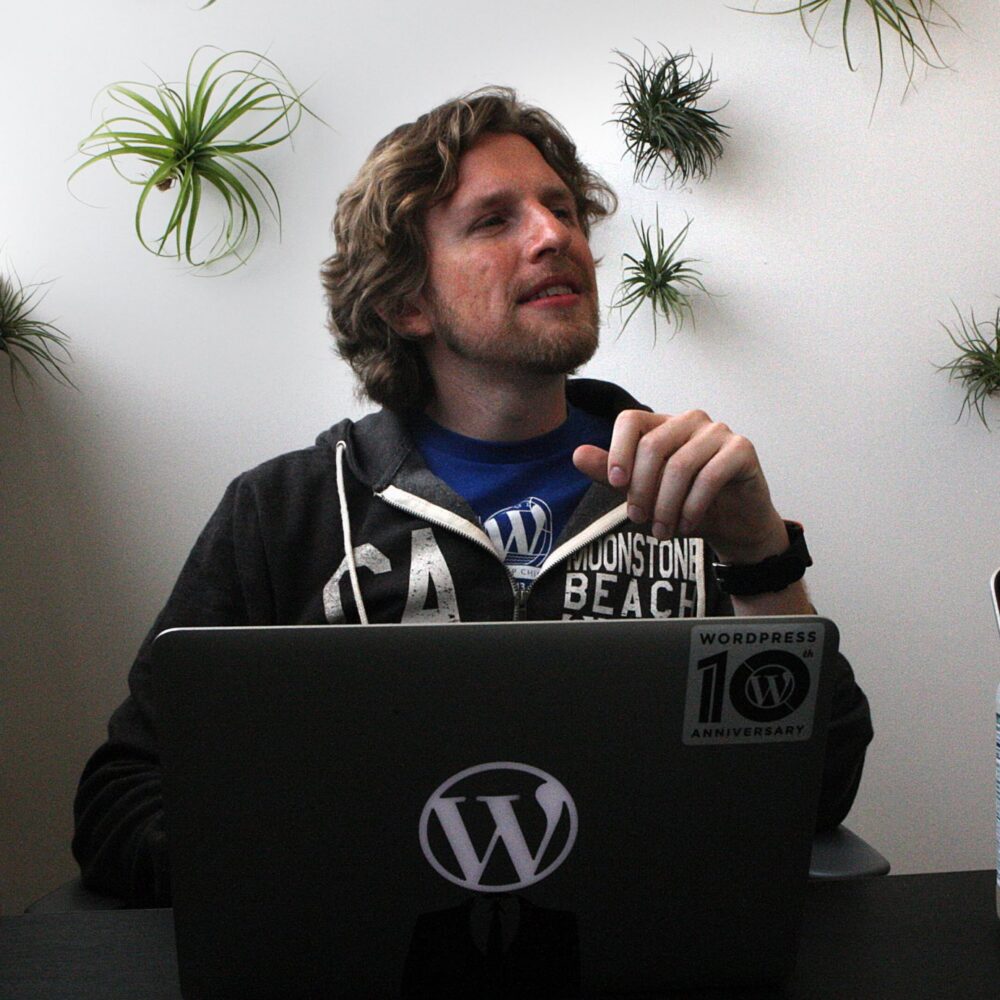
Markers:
680,474
592,461
734,462
653,453
630,427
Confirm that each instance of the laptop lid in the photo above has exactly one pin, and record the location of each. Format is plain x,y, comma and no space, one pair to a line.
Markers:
546,809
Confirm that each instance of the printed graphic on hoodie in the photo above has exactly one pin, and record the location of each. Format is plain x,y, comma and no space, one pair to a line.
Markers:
522,535
626,574
428,576
631,574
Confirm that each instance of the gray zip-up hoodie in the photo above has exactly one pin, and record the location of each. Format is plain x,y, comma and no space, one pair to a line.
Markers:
357,529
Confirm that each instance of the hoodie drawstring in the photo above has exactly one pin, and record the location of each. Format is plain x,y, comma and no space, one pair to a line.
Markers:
345,522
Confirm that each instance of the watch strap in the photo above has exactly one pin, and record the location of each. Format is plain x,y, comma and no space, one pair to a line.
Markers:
771,574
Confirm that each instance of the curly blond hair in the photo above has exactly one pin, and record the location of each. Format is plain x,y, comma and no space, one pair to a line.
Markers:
381,259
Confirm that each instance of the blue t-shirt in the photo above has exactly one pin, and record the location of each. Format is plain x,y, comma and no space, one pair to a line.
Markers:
522,491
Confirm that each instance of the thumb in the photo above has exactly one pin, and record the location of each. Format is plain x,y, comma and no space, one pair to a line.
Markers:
592,462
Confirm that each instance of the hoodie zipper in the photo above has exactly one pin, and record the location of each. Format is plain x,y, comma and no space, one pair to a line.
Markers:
521,591
599,528
607,523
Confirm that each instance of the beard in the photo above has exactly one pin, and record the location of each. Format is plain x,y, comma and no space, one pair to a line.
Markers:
559,351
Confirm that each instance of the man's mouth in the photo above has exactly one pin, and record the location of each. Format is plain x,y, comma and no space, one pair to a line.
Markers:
552,290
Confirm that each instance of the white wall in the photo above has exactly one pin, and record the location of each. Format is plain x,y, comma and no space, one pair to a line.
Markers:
834,240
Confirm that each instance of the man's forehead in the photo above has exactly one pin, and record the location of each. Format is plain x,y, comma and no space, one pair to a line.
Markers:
501,167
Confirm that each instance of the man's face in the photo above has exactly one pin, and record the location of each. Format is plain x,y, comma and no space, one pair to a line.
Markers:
511,280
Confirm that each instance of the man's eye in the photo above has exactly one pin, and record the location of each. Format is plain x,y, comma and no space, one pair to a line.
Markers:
489,222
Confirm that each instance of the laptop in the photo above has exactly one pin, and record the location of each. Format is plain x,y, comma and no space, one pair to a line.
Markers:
531,809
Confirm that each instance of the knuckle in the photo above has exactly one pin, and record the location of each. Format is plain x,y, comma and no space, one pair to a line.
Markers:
648,448
679,467
712,479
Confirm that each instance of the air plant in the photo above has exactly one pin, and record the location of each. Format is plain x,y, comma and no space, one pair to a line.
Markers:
197,137
659,276
978,361
911,21
25,338
660,119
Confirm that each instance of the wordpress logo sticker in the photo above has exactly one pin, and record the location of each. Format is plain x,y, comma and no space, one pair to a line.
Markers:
522,534
756,684
498,827
769,686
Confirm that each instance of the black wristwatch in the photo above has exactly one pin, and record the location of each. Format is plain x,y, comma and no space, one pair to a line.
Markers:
770,575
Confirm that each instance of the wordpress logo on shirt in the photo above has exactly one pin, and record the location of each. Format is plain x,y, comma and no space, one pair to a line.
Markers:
522,533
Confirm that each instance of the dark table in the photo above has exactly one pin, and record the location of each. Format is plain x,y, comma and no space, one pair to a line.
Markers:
918,937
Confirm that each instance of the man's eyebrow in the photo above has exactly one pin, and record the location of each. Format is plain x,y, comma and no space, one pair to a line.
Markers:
504,196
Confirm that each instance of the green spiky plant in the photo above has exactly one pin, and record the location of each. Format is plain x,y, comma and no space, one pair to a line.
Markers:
977,366
660,118
659,276
196,138
912,22
29,343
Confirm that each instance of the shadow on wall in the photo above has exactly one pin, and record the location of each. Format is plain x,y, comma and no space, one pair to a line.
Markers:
72,608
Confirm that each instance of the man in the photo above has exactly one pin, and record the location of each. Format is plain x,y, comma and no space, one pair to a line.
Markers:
462,292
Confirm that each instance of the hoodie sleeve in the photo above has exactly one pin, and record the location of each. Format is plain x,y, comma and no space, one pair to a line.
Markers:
848,735
847,739
119,839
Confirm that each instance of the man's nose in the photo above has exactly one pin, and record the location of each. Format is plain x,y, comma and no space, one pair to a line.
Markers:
548,233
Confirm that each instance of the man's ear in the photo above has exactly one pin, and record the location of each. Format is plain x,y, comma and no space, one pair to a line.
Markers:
411,319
